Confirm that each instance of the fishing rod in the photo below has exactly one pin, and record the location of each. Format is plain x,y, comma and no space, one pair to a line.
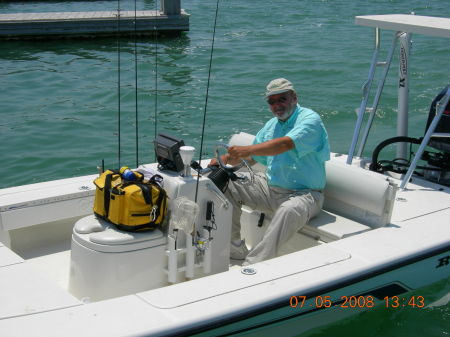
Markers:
135,82
118,82
206,96
156,74
136,85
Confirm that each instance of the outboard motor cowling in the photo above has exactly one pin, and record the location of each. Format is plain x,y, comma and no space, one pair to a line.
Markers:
443,126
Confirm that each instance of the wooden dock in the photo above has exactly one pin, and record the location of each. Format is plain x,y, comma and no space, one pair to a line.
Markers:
90,24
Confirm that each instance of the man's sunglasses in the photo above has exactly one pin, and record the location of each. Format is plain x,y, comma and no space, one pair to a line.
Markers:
273,101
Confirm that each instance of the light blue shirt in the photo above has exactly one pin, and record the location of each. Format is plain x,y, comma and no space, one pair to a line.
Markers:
303,167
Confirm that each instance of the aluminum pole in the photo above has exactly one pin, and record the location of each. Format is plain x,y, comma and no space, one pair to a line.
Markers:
376,100
403,92
366,92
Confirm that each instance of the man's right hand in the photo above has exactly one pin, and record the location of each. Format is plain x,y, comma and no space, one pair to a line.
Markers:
213,162
225,160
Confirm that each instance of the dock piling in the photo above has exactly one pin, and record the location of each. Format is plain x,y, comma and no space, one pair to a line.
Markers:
171,7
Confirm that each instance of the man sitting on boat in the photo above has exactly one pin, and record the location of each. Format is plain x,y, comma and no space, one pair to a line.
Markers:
294,147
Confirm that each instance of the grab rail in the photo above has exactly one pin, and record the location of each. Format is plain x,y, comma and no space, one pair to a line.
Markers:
366,90
376,100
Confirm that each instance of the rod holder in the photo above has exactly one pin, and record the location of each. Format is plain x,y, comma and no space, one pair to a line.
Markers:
187,153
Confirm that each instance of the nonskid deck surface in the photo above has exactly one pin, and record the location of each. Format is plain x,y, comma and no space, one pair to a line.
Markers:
52,261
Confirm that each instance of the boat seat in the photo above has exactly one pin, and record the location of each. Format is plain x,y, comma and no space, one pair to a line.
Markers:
324,227
327,227
357,194
355,201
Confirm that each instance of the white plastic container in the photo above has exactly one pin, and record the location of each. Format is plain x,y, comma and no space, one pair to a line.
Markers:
107,262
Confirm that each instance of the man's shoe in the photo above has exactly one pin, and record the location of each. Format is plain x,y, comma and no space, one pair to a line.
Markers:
238,252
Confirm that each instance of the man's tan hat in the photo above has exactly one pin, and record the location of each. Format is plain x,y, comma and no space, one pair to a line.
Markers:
278,86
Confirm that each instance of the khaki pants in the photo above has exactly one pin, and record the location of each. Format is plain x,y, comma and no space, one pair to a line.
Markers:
291,210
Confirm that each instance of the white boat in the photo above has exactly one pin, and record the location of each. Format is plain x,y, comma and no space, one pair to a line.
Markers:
379,237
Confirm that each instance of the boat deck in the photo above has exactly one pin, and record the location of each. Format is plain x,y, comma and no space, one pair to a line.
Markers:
54,264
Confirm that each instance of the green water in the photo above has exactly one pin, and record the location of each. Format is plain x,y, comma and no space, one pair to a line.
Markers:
59,99
396,322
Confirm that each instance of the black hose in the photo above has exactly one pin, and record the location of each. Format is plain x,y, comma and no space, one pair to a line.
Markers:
374,165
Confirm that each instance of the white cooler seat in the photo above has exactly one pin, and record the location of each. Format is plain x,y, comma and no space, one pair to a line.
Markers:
329,227
107,262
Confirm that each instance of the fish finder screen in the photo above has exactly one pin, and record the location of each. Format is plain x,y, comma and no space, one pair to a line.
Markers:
167,150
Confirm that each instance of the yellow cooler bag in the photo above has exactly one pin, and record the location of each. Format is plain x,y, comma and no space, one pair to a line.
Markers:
131,205
137,206
104,183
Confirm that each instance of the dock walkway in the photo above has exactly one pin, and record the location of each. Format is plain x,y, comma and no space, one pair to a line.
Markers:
80,24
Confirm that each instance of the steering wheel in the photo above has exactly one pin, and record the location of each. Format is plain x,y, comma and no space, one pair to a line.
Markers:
232,169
